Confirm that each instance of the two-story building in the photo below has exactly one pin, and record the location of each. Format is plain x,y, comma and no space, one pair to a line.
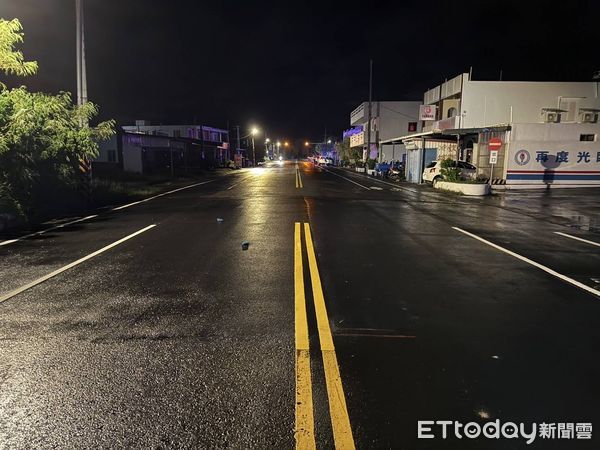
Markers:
388,119
146,148
536,123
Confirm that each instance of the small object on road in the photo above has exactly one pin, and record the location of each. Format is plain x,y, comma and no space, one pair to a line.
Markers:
219,220
496,357
245,245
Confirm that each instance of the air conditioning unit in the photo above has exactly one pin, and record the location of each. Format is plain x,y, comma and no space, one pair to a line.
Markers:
551,117
588,116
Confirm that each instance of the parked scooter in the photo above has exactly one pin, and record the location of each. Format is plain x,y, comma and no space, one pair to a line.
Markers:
396,173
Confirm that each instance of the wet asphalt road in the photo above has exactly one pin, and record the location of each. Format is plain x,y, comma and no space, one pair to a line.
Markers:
178,338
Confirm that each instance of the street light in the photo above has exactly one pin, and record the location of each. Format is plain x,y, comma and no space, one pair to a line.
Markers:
253,132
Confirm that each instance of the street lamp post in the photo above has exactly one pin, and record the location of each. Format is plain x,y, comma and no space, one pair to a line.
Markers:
254,132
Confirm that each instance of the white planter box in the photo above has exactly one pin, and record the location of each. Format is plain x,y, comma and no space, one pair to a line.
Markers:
360,169
371,172
464,188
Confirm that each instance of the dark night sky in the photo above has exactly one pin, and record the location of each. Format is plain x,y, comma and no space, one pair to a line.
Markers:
294,68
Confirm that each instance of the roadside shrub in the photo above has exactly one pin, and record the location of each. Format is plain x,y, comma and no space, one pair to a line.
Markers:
450,172
371,163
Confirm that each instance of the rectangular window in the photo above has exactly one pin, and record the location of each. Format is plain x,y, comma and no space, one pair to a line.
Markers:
587,137
412,126
176,133
206,135
112,156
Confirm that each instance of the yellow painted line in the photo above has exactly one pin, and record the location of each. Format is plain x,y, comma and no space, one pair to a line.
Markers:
40,280
305,423
296,179
300,179
340,421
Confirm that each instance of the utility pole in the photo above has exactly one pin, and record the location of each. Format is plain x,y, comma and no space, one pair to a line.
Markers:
85,165
237,129
379,153
81,69
253,153
367,154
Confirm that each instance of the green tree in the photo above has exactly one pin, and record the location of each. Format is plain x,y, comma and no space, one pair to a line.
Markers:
449,171
12,60
41,136
348,155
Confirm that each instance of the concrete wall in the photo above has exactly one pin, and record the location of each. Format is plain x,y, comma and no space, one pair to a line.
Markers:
568,161
486,103
392,118
105,148
132,158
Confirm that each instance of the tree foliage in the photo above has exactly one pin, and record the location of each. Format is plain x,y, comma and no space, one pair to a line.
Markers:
348,155
42,136
450,172
12,60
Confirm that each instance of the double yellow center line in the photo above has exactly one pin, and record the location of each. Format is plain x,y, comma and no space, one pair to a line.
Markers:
340,421
298,179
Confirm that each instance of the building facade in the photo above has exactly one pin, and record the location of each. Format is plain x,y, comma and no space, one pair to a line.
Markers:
388,119
536,123
146,148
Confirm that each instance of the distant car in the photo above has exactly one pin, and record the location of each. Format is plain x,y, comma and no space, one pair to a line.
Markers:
325,161
433,171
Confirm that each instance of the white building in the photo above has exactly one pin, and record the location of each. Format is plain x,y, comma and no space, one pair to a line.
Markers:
538,123
388,119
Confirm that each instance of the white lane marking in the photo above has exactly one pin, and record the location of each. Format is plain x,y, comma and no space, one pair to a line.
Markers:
347,179
17,291
597,244
10,241
38,233
231,187
533,263
403,188
160,195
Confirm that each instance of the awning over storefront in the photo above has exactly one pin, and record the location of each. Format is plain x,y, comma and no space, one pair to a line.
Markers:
464,131
400,139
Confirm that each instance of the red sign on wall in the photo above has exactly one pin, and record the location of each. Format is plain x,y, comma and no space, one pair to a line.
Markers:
495,144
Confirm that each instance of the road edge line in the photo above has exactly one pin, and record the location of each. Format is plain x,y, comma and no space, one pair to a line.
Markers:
347,179
118,208
38,233
40,280
546,269
570,236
